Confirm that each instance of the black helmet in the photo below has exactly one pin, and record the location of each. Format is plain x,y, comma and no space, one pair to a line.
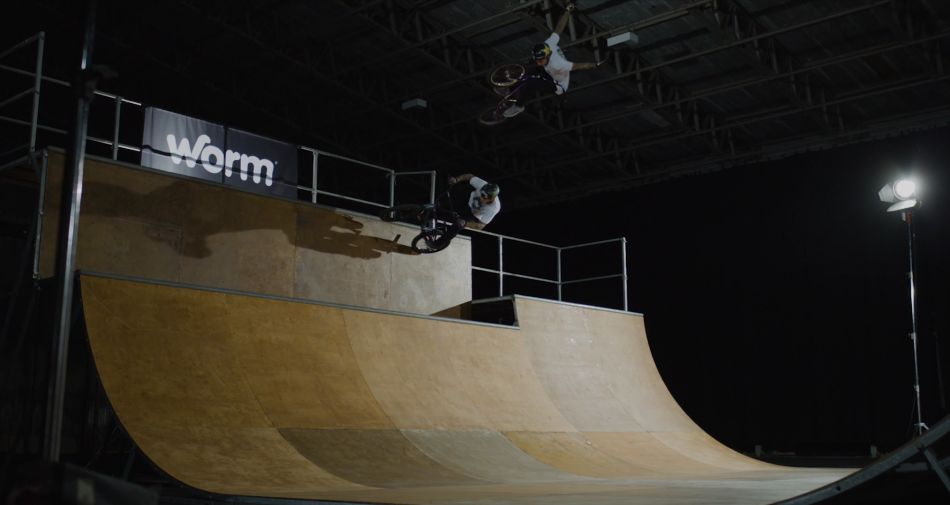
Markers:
490,190
540,51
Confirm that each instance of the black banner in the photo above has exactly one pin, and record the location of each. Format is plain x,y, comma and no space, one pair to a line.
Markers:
183,145
188,146
260,162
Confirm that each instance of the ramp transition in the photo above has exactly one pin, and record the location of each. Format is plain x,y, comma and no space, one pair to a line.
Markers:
250,395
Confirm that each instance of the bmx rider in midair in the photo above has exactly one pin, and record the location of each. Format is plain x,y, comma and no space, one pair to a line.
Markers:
554,70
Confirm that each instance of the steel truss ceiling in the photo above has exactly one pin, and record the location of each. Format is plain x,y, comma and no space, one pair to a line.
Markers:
729,139
711,84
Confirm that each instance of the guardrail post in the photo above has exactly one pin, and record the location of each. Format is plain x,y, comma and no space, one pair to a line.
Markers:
40,212
559,274
392,188
37,81
623,259
501,268
115,130
313,184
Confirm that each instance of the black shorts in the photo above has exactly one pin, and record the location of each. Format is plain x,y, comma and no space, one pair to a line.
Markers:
460,194
539,83
466,214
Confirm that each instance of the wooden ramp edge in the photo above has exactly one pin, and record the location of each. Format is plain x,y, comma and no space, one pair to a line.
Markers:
239,394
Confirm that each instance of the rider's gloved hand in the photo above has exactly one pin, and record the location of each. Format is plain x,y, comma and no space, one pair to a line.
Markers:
452,180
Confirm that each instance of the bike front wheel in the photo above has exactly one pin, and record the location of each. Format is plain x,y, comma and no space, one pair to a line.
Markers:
506,75
430,242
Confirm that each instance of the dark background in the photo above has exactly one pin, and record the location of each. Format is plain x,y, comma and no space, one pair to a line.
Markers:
776,294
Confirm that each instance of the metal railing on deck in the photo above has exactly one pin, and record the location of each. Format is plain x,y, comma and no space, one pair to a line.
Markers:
558,280
34,91
313,189
38,79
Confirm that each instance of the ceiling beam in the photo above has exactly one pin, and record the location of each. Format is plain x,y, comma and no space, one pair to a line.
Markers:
442,55
684,101
934,117
632,70
844,98
271,36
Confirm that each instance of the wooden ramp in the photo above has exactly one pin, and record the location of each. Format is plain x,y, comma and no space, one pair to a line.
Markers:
143,223
240,394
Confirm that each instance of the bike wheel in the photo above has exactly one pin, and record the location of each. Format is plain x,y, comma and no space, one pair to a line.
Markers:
492,116
430,242
405,211
501,91
506,75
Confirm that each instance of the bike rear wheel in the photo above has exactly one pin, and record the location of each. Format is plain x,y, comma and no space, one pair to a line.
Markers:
506,75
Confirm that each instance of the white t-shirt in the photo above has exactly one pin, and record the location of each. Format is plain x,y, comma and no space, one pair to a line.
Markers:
558,66
484,212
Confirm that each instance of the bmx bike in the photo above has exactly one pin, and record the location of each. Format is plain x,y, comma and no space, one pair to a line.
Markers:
508,81
438,223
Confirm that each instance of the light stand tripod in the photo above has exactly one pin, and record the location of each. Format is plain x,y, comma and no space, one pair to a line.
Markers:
908,217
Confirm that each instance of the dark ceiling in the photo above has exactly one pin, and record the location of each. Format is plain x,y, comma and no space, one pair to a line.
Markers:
711,83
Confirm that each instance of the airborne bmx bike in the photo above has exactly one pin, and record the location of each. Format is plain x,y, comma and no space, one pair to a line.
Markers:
438,222
508,81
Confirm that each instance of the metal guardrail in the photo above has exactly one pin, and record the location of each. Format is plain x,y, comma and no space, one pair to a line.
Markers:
313,189
34,91
38,79
559,279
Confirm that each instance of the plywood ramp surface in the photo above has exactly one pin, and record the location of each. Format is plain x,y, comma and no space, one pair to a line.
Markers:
241,394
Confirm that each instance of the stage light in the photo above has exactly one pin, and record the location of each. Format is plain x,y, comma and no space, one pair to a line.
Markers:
905,189
902,194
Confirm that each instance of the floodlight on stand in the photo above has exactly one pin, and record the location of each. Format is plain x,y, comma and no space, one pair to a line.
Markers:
901,194
415,103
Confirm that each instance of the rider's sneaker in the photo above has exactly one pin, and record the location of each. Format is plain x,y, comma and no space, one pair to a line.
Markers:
513,111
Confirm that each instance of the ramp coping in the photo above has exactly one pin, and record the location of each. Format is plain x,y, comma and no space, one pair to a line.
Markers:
309,301
580,305
512,298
